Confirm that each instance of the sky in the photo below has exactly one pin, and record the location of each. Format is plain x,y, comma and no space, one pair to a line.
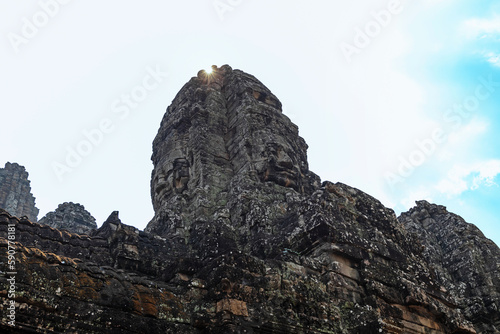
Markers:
397,98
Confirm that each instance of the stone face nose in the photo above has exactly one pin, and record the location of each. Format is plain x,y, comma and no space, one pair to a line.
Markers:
221,127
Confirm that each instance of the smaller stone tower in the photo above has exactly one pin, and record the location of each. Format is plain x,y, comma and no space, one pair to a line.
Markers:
15,192
72,217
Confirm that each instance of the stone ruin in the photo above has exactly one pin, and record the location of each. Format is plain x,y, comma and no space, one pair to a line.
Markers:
246,239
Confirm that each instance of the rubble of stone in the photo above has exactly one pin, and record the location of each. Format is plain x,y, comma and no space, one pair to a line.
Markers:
15,192
246,239
71,217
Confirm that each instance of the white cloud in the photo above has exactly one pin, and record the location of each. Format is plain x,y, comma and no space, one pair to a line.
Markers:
468,132
492,58
462,178
454,184
482,28
462,140
487,30
487,174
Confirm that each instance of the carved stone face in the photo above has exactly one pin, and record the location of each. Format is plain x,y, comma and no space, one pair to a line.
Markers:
221,127
170,180
279,167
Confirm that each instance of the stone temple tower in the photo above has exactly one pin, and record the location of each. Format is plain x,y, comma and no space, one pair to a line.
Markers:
15,192
223,136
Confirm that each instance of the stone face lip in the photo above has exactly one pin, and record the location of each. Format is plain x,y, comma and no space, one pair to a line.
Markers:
71,217
15,192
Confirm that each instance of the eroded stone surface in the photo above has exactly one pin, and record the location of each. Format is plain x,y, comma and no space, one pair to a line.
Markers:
72,217
246,239
15,192
466,264
223,132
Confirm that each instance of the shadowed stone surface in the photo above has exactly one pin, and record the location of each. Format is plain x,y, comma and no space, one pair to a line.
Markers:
245,239
15,192
72,217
